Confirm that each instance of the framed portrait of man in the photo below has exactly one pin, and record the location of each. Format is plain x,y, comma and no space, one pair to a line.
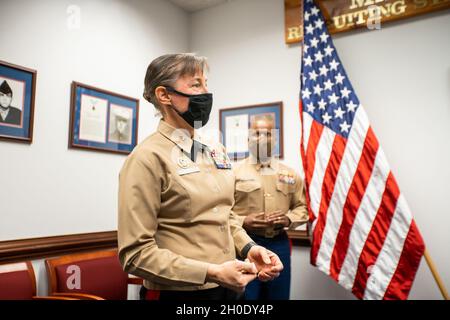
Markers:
17,97
102,120
235,123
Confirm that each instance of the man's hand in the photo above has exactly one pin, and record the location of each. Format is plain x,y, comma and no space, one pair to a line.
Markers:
256,221
268,263
234,275
279,218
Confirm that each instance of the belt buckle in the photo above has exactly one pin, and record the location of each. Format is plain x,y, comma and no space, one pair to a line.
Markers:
270,234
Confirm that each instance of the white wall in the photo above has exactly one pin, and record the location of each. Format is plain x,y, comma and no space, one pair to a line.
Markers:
402,76
47,189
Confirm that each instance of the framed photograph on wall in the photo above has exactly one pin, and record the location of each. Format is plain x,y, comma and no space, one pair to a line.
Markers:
235,124
102,120
17,96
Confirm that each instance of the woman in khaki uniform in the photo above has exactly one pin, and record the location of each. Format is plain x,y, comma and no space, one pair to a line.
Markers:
176,228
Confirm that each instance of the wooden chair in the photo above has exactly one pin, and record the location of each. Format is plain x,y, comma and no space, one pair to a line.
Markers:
89,276
18,282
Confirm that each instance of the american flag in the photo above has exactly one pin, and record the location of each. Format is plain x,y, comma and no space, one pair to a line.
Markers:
363,233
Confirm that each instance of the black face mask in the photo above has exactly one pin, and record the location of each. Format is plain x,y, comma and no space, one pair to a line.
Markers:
199,108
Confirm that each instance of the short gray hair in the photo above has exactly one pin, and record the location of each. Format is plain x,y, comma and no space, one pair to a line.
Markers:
166,69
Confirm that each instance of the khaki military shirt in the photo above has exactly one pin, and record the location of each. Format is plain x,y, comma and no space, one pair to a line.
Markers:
269,188
175,215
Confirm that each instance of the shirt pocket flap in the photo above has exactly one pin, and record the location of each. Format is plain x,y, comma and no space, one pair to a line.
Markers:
247,186
284,188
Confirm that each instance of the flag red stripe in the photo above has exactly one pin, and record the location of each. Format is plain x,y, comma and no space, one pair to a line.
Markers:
353,201
408,264
312,216
377,235
314,138
329,180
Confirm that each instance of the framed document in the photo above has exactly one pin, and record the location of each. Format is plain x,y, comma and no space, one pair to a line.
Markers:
17,95
102,120
236,122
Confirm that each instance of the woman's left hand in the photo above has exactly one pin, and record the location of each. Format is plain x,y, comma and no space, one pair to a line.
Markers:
267,263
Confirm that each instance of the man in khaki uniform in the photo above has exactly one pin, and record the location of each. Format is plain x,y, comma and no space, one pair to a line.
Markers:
269,198
176,228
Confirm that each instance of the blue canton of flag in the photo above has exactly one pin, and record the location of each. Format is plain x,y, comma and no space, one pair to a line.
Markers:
327,94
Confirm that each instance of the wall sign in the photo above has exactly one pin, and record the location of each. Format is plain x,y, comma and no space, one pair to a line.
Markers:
345,15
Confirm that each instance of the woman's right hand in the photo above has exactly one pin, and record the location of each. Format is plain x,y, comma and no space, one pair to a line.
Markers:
234,275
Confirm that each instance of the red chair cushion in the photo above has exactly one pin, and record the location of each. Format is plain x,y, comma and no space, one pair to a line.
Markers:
16,285
102,277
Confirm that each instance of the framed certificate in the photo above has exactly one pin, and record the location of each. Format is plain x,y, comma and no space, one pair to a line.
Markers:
235,124
17,95
102,120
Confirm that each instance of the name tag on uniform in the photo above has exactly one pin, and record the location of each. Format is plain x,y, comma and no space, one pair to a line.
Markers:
184,171
186,166
245,179
220,159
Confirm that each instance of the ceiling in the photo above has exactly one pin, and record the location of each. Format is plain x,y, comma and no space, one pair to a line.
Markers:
197,5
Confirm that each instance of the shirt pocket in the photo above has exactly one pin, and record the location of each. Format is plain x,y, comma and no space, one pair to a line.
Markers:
284,193
248,195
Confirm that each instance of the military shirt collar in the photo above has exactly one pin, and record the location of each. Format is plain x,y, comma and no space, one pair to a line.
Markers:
181,137
258,165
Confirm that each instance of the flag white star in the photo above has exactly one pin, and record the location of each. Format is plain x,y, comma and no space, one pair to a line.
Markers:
306,16
310,107
309,29
338,113
314,11
323,70
333,98
328,85
308,61
328,51
345,92
306,93
334,64
313,75
339,78
351,106
326,118
314,42
344,126
322,104
319,24
318,56
324,37
318,89
305,48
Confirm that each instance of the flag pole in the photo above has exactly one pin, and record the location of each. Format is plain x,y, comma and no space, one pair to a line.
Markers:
436,276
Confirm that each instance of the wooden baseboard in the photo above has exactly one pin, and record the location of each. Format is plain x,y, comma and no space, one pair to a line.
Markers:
37,248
